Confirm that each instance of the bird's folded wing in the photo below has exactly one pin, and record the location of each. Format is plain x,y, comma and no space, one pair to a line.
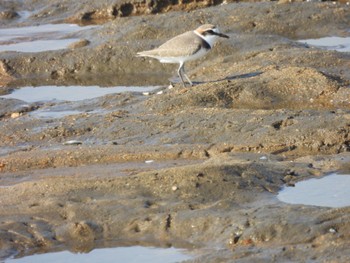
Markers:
185,44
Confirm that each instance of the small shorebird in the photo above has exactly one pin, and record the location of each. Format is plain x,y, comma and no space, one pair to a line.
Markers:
185,47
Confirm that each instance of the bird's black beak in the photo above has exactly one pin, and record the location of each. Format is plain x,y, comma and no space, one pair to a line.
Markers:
221,35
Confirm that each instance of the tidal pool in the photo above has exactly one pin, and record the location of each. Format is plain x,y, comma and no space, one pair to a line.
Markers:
47,114
38,38
71,93
134,254
329,191
341,44
39,45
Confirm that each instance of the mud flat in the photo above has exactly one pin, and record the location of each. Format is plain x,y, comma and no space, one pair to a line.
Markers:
198,168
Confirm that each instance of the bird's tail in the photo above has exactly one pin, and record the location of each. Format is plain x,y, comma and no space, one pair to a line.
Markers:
147,53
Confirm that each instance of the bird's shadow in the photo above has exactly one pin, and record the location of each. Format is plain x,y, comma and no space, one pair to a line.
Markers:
242,76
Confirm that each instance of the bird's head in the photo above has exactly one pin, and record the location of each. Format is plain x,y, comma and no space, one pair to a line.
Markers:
209,33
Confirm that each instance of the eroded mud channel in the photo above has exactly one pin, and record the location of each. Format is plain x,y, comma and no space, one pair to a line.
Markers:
99,152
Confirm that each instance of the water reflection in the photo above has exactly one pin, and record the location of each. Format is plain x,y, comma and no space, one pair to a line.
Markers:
341,44
134,254
39,45
71,93
328,191
38,38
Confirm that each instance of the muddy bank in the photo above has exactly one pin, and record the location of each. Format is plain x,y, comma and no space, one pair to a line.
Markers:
196,167
92,11
229,115
227,202
259,37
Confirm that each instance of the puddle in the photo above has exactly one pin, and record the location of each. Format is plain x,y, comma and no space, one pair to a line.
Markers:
23,15
341,44
328,191
47,31
71,93
38,38
135,254
41,114
39,45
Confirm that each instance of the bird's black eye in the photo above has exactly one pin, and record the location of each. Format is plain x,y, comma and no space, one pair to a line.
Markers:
209,32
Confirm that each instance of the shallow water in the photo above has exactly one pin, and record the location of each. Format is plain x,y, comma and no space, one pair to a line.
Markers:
71,93
341,44
38,38
46,114
328,191
135,254
39,45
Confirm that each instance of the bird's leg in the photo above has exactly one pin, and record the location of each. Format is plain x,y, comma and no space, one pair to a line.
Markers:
188,79
180,75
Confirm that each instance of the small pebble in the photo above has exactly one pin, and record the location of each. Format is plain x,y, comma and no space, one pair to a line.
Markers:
332,230
174,188
79,43
146,93
73,142
15,115
149,161
160,92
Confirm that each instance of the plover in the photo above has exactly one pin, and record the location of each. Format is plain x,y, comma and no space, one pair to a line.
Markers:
185,47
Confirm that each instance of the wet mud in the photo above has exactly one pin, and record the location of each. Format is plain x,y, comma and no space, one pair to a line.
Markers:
197,167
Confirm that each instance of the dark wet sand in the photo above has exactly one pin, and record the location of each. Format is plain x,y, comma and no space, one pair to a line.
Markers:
195,167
